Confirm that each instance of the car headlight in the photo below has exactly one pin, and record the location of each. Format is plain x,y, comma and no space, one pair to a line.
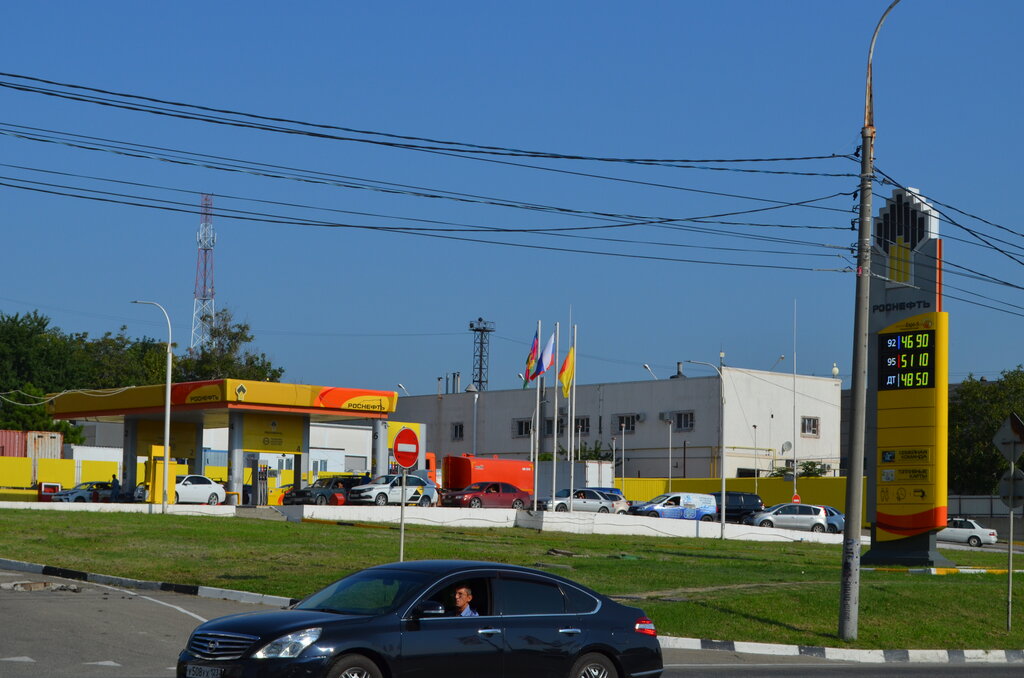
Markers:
291,645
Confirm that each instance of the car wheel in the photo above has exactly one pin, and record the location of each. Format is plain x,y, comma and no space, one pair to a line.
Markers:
80,499
832,529
817,527
424,501
518,504
766,523
321,499
381,499
475,502
561,508
974,541
652,514
213,499
354,666
177,500
706,518
593,665
621,513
602,509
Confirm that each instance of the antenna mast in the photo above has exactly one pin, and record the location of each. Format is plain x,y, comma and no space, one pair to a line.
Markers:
481,351
202,307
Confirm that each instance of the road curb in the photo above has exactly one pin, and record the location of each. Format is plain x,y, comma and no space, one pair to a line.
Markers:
848,654
199,591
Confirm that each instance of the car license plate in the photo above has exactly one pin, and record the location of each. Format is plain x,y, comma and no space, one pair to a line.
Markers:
196,671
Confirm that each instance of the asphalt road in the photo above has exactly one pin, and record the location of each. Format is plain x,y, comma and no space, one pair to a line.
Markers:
65,628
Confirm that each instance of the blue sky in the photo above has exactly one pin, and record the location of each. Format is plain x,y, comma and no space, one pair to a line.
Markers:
367,307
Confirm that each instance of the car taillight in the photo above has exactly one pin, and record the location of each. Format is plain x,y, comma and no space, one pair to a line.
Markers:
645,626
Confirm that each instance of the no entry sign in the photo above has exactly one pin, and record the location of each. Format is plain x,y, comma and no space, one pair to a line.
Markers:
407,448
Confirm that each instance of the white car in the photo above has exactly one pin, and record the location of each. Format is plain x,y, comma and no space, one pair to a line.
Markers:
967,531
194,489
384,490
91,491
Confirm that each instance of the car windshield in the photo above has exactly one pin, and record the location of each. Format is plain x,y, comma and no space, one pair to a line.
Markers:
368,592
382,480
772,508
83,486
562,493
657,500
475,487
322,482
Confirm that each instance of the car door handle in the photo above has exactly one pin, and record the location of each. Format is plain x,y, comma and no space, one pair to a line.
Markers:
570,632
488,632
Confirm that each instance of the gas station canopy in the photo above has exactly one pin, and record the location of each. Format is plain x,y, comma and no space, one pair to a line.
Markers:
210,403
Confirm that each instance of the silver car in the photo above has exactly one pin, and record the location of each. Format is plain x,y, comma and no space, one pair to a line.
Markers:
793,517
387,489
965,530
85,492
582,500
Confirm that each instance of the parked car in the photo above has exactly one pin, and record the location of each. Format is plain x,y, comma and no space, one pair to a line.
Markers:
387,489
619,503
586,499
685,505
397,620
835,518
740,505
196,489
967,531
487,495
610,490
792,517
327,490
91,491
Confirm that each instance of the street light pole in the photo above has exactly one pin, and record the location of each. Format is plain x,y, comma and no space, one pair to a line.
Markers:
721,435
167,403
669,422
849,594
476,394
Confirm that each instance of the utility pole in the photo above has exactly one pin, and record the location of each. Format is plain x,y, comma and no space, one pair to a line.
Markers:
849,594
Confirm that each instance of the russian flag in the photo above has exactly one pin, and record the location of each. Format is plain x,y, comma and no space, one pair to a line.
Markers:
547,358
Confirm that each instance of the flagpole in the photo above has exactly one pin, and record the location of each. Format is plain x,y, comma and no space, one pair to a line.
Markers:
535,437
572,419
554,421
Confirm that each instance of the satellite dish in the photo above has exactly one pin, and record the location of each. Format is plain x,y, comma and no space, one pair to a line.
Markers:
787,446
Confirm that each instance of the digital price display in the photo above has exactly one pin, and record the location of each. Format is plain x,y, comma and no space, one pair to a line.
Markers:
906,360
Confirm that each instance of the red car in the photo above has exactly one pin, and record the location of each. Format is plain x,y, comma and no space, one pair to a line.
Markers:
487,494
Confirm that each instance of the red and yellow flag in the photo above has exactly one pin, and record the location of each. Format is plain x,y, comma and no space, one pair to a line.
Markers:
567,374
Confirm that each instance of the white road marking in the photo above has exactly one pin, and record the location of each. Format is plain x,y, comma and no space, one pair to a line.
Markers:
106,663
26,660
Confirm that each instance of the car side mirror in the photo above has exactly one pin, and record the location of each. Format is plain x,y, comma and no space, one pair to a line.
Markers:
428,608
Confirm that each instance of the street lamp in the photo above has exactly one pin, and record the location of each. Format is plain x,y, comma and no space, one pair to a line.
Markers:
167,402
755,458
648,368
721,434
404,389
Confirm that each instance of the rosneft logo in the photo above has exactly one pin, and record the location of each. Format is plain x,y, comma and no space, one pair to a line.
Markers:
900,228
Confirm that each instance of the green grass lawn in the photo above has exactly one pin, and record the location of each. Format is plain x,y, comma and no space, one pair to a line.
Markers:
703,588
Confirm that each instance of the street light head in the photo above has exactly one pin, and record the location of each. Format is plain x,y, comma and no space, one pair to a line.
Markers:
472,388
648,368
835,370
404,389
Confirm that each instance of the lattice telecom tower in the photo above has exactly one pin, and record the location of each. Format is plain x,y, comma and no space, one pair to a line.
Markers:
202,307
481,351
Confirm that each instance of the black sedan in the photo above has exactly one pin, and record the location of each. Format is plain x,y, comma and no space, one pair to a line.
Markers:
403,620
326,490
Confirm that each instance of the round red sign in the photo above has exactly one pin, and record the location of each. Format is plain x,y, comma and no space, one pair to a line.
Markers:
796,498
407,448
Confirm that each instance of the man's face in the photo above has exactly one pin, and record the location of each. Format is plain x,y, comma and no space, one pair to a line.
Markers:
462,598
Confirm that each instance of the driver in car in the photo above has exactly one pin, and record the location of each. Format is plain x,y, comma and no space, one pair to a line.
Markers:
463,596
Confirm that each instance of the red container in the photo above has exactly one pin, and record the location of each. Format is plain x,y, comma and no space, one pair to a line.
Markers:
461,471
12,444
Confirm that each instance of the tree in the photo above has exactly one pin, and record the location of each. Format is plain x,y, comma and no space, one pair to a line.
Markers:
224,357
977,408
25,410
584,453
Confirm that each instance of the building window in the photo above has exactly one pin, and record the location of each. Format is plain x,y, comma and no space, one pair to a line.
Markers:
683,420
583,426
549,426
458,430
809,427
521,428
627,422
